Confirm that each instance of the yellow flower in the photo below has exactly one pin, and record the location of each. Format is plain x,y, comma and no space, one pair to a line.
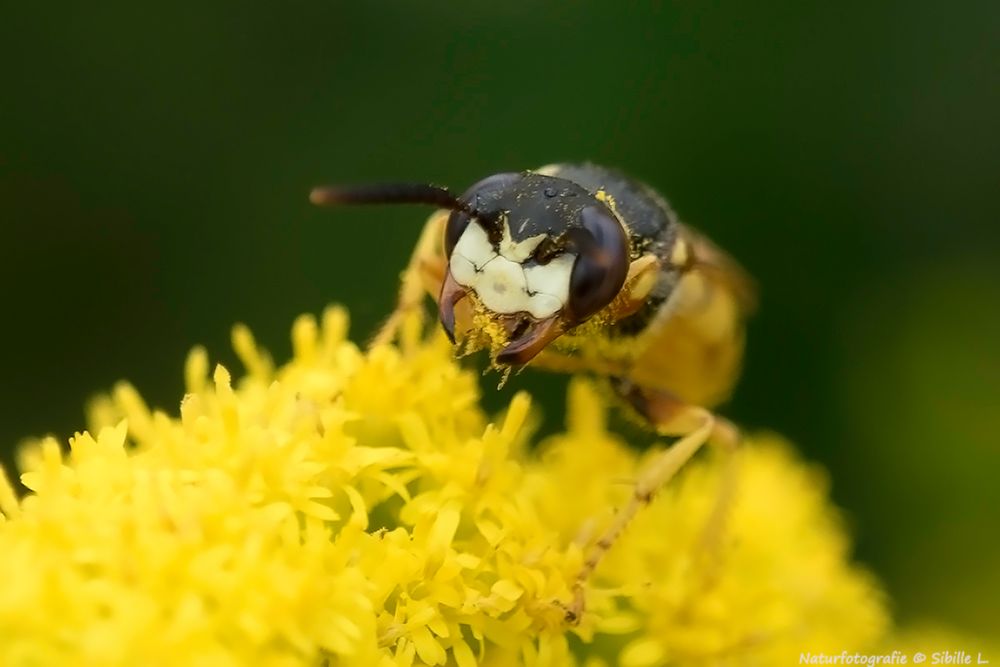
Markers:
356,508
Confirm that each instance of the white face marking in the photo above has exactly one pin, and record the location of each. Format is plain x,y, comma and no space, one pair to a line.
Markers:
548,170
503,285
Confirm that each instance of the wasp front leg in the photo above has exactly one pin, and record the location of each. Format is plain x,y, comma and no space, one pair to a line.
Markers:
423,275
671,417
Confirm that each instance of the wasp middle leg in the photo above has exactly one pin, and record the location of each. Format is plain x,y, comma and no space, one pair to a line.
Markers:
695,426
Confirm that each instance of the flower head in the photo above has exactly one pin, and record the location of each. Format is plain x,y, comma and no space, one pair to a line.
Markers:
361,509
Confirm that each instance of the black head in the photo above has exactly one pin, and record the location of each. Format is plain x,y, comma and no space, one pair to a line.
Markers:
542,254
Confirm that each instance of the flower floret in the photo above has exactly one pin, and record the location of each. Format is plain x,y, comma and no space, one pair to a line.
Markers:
360,508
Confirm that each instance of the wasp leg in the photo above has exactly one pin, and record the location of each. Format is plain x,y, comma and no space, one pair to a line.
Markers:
672,417
639,283
656,407
728,438
423,275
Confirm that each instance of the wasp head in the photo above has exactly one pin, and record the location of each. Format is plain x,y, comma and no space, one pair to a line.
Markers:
535,254
540,255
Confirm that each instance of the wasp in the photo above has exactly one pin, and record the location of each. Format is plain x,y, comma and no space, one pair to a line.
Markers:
577,268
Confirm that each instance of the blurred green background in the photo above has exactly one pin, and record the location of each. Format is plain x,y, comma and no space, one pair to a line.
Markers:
155,160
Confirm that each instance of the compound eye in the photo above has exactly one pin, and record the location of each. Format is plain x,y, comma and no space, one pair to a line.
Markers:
600,269
458,221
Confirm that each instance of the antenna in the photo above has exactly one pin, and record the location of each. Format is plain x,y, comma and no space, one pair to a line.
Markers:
389,193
